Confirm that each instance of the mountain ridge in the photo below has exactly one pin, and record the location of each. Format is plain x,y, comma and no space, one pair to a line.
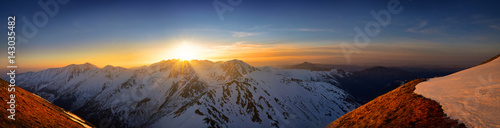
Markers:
367,83
214,94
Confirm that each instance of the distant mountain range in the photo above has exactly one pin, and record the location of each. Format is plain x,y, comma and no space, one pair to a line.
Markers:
323,67
370,82
177,93
424,70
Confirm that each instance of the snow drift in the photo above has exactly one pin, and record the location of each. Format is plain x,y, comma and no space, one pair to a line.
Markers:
472,96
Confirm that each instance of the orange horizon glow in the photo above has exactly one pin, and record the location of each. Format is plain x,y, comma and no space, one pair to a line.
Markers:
257,55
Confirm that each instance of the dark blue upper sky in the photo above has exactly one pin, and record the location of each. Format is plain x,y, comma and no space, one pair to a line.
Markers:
444,28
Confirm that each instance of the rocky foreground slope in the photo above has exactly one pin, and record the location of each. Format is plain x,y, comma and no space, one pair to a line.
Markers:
397,108
32,111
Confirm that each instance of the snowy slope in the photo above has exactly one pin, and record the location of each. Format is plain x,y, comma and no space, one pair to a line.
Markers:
472,96
175,93
265,98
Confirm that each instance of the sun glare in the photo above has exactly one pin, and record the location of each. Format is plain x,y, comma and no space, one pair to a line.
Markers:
186,51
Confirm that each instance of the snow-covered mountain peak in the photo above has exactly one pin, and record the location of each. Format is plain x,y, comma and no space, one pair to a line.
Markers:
237,68
204,93
113,68
86,66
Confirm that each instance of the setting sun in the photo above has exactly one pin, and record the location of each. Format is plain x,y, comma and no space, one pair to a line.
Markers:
186,51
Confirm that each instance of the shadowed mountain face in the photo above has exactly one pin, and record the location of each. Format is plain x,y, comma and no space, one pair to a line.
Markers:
177,93
367,84
33,111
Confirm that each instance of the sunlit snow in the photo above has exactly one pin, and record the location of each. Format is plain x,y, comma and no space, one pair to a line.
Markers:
472,96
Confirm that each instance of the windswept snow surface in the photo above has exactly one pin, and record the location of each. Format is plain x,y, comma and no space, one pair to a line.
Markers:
472,96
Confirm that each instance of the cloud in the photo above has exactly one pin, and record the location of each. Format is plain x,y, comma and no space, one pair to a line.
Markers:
260,27
78,28
497,27
247,34
418,27
315,30
236,47
243,34
408,53
306,30
491,23
421,28
244,49
451,20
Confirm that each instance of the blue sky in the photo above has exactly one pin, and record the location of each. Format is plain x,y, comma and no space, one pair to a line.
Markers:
445,33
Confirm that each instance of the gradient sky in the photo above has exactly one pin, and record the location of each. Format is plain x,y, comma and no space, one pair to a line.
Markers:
133,33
